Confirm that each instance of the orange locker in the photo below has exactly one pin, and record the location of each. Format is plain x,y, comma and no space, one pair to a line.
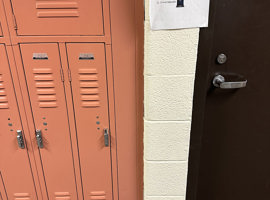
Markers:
58,105
42,67
43,71
15,170
60,17
89,89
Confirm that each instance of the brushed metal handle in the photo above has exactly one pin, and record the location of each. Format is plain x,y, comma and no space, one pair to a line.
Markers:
106,137
39,139
20,139
219,82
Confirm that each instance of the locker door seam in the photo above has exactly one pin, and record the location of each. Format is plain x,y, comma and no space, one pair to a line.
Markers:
6,19
113,76
14,19
108,99
68,121
74,116
3,184
103,20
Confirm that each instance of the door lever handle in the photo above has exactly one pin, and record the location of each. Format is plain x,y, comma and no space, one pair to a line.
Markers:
219,82
39,139
20,139
106,137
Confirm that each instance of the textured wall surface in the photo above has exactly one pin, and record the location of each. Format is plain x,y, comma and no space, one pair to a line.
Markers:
170,63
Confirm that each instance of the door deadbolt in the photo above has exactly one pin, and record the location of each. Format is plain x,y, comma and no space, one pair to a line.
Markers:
222,58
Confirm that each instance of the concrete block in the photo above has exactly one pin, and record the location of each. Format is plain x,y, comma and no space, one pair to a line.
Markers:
165,179
168,97
172,52
167,141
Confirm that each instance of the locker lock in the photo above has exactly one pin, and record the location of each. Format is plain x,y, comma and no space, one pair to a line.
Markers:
20,139
39,139
106,137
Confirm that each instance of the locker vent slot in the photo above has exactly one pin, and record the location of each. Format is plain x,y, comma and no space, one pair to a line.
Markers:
3,96
20,196
62,196
45,87
98,195
89,88
52,9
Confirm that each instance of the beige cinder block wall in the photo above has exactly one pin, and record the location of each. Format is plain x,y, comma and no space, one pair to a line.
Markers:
170,63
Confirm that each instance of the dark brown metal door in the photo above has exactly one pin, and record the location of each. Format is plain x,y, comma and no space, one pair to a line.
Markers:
230,142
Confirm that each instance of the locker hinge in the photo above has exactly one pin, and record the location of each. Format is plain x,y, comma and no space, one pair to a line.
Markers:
69,75
62,75
15,22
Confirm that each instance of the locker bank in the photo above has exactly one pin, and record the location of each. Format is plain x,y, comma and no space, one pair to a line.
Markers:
68,100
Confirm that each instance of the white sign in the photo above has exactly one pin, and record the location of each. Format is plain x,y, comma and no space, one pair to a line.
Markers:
176,14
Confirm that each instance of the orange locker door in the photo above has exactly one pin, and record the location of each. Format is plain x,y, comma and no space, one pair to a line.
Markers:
15,168
1,32
58,17
45,85
89,88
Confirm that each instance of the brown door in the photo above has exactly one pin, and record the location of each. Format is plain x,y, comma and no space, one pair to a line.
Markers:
233,124
42,67
71,17
16,179
89,89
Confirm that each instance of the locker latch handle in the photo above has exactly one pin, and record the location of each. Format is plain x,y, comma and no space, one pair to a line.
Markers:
20,139
106,137
39,139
